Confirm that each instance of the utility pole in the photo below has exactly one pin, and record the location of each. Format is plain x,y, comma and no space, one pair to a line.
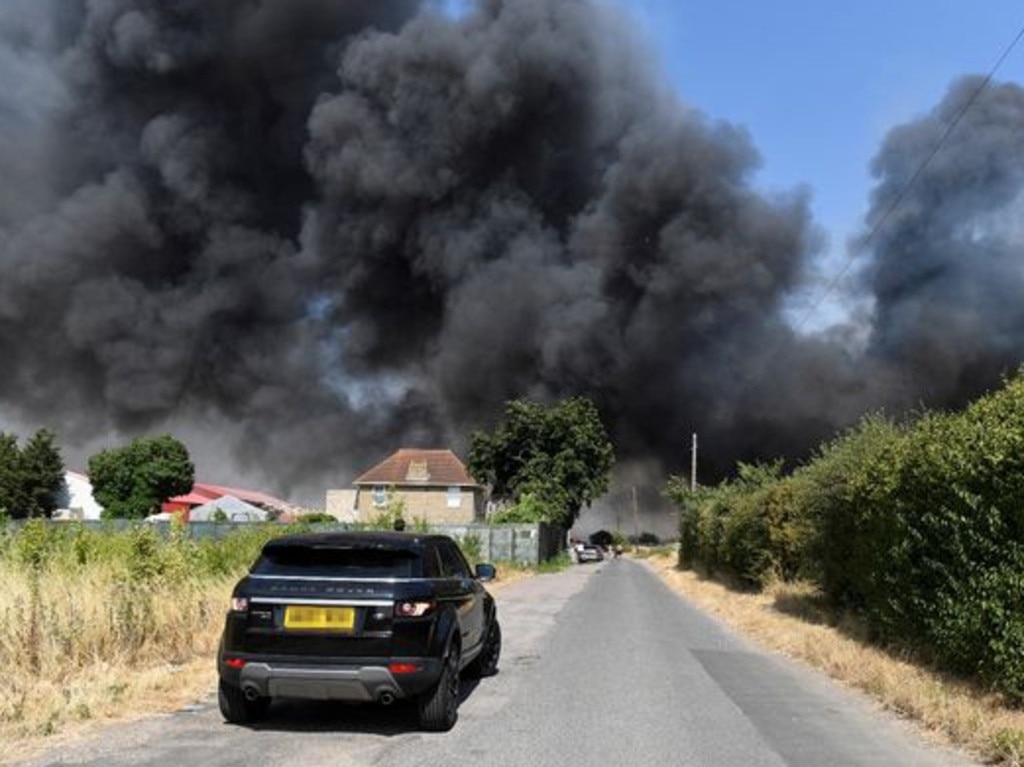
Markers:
693,464
636,519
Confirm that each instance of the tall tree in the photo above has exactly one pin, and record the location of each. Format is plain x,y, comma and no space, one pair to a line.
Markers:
132,481
559,457
42,473
30,478
12,490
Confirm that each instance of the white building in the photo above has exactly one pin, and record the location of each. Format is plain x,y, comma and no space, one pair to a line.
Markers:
232,509
75,500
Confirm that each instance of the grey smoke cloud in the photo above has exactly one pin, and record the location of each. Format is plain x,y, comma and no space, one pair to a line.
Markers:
316,231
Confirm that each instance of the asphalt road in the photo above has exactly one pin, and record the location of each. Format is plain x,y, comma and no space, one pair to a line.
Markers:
602,664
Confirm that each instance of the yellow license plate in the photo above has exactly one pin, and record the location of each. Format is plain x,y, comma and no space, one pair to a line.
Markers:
327,618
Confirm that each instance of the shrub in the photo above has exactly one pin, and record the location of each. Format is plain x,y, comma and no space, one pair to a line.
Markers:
530,508
747,529
34,545
744,541
556,564
848,493
471,547
318,517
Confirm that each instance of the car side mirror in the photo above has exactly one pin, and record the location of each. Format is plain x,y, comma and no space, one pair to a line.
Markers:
486,572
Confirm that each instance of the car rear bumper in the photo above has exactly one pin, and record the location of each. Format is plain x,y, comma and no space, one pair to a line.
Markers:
362,683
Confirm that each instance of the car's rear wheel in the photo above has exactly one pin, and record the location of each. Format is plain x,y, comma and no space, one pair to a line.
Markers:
236,708
439,706
486,663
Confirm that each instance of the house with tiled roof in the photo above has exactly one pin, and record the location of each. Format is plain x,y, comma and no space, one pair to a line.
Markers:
433,485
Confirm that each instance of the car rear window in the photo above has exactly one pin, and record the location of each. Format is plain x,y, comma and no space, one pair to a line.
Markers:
337,562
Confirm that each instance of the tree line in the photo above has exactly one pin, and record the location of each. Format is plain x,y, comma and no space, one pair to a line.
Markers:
129,482
541,463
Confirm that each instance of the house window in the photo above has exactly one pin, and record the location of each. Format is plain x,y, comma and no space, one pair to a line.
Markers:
380,496
454,497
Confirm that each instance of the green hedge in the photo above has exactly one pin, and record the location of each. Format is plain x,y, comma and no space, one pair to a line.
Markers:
918,528
850,489
744,529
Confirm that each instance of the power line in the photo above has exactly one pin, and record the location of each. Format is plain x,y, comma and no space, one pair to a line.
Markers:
905,189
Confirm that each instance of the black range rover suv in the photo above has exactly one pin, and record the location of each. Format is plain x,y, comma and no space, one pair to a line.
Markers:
358,616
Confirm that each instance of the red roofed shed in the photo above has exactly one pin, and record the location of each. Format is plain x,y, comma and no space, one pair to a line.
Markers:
203,492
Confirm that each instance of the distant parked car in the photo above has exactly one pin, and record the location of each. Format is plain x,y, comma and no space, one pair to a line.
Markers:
589,552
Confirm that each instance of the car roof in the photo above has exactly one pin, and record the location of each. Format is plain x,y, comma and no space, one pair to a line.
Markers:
372,539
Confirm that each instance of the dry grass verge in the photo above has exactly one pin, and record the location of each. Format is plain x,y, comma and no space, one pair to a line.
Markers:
81,651
507,576
785,619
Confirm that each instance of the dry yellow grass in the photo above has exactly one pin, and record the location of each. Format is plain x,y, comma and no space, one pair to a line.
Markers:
60,712
507,576
783,618
81,650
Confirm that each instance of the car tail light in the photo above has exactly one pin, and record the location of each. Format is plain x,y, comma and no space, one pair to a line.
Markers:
403,668
413,609
234,662
239,604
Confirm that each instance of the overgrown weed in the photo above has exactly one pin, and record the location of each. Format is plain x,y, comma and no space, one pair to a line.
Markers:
89,615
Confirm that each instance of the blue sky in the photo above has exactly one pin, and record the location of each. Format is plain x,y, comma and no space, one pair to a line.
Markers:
817,85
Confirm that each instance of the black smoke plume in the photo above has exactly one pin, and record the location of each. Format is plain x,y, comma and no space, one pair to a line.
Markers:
947,274
313,231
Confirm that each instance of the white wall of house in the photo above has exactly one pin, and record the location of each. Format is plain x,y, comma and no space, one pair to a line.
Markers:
75,501
341,504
